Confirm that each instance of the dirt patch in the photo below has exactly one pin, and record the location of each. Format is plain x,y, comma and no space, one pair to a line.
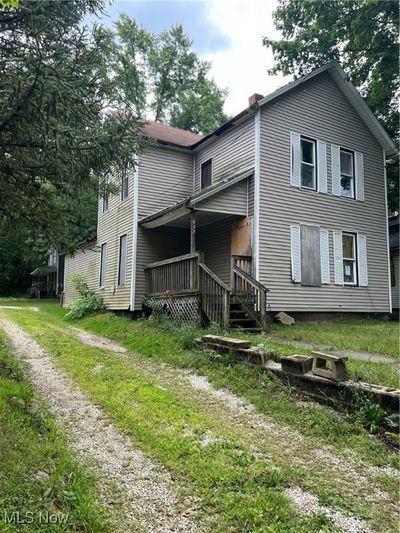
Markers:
34,309
97,340
128,479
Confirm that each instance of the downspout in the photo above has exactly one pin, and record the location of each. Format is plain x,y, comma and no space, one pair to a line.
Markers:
256,218
387,231
134,232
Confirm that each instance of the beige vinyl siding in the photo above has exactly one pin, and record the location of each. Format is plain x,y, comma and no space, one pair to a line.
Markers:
214,240
231,152
231,200
165,177
86,262
396,288
319,110
114,223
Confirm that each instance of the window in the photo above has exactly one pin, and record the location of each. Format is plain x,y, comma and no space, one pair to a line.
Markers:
122,260
349,259
105,202
307,160
392,273
347,188
103,262
124,184
206,174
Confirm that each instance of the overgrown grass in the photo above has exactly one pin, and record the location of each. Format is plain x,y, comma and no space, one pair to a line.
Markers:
38,474
360,335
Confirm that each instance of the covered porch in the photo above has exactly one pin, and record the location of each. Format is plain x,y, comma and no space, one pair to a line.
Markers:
215,274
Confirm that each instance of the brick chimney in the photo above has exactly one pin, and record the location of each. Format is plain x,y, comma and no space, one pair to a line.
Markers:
254,98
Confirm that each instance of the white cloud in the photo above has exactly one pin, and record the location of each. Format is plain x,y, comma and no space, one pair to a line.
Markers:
242,68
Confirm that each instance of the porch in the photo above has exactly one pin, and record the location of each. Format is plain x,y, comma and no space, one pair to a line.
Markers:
186,288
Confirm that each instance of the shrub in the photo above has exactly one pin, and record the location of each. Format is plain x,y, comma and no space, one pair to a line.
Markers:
88,302
368,413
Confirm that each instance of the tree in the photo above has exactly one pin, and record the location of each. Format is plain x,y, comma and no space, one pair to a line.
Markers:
363,36
160,75
56,138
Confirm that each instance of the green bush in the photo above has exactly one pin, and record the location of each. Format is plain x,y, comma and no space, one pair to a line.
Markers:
368,414
88,302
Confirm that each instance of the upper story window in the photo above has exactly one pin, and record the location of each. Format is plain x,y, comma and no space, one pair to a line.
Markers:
106,198
206,174
123,253
349,259
125,184
308,164
347,187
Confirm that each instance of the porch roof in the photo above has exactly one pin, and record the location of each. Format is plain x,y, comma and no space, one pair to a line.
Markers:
177,213
44,270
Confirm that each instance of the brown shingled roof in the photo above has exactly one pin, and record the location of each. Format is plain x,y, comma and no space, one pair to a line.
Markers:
170,135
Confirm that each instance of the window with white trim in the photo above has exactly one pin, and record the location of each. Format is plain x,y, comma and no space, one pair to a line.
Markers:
124,183
308,163
347,181
349,256
106,197
122,260
103,264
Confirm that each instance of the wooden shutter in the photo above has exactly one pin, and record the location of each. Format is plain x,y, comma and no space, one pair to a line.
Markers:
322,177
310,256
295,179
362,260
324,243
359,175
338,257
295,253
335,166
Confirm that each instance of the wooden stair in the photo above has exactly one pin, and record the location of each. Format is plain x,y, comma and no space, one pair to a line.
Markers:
239,319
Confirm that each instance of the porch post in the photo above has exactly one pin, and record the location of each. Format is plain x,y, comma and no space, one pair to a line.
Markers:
192,232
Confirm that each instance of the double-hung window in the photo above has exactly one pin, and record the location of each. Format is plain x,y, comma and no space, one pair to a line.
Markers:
103,263
308,164
206,174
105,202
124,183
349,254
122,260
347,188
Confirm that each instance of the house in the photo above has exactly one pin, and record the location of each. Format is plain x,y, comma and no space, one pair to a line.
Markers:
48,280
394,226
281,208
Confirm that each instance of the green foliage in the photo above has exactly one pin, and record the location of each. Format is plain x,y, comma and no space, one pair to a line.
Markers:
56,140
162,75
363,36
368,413
88,302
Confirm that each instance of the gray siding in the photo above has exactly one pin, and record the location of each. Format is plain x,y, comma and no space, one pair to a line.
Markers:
396,287
319,110
230,152
165,177
215,241
231,200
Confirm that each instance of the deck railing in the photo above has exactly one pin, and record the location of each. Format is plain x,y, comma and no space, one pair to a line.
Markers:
251,294
178,275
215,296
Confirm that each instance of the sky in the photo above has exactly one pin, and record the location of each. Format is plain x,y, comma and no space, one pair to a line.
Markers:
228,33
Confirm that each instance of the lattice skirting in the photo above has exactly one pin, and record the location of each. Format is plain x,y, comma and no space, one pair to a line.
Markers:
183,310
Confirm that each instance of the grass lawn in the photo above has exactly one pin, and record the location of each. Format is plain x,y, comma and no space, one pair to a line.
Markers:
242,488
362,335
38,474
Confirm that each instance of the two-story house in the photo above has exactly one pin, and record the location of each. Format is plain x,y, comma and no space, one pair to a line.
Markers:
289,196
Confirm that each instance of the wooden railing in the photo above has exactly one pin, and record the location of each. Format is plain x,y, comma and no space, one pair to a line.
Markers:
251,294
178,275
215,296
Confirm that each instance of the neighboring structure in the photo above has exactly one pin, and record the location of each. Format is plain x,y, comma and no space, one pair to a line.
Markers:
289,195
48,280
394,225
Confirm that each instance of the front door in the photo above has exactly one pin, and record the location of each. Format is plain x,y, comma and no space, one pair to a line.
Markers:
241,243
